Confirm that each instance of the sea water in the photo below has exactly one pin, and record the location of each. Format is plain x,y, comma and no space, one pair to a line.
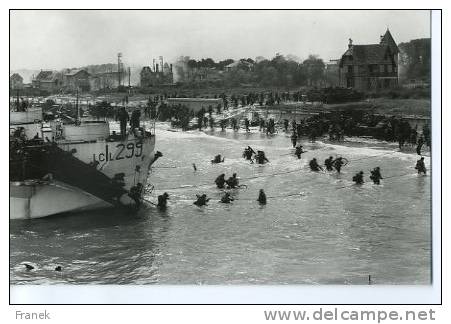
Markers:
316,228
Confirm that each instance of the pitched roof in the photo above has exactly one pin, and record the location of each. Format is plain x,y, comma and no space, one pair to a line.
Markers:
16,76
388,40
45,75
373,53
368,54
75,71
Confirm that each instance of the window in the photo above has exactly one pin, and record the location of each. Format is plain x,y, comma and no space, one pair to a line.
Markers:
386,83
350,69
376,68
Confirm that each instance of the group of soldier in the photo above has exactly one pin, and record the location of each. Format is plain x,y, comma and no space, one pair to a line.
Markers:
250,155
124,117
330,163
268,126
259,157
202,200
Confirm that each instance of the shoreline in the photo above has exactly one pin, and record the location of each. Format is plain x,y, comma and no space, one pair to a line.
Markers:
349,141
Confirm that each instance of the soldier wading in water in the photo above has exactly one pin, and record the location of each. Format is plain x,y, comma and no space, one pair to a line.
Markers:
163,201
201,200
314,166
358,178
376,175
420,167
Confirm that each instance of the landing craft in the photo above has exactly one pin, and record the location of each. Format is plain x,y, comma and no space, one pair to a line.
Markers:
57,168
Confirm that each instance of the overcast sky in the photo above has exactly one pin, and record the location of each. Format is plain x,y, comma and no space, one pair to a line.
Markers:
59,39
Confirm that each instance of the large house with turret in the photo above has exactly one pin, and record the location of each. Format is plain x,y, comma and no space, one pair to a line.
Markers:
370,67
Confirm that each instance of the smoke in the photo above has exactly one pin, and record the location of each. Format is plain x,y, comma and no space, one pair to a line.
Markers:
180,67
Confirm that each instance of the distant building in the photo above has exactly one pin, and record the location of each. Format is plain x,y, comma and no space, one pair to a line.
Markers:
106,76
370,67
15,81
76,79
105,80
195,104
50,81
331,73
151,77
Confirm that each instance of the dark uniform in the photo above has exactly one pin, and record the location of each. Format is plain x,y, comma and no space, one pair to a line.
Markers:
329,163
420,145
299,151
262,197
234,124
223,124
262,124
358,178
248,152
420,167
220,181
314,166
285,124
162,200
338,163
217,159
136,193
123,119
294,139
376,175
260,158
226,199
201,200
232,182
134,119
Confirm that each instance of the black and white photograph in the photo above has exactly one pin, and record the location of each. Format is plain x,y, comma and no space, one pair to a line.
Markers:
220,147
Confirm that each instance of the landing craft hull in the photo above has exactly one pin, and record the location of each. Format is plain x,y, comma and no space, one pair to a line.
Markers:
84,176
45,199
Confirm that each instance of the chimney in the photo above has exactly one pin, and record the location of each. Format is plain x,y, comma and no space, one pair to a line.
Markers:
170,66
153,65
350,43
157,68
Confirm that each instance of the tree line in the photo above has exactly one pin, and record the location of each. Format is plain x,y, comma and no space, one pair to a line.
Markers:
279,71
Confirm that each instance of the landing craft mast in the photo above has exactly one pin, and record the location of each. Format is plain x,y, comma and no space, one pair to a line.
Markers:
119,64
129,77
78,110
